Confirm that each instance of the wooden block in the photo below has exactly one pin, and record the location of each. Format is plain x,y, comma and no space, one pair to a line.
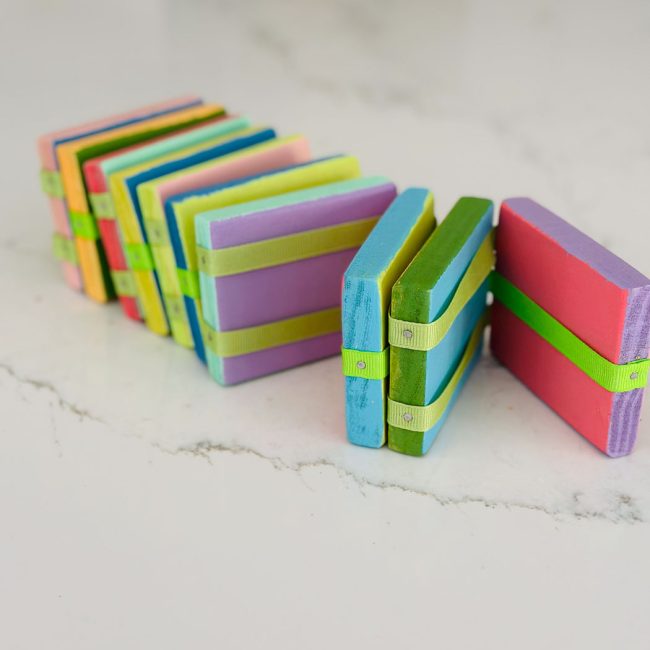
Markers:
72,155
181,210
152,195
98,170
270,274
51,179
367,285
124,184
592,293
446,283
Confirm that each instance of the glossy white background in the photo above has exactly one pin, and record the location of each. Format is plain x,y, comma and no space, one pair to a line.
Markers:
142,506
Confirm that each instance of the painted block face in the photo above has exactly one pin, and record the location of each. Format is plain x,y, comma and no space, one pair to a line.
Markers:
97,172
181,210
367,286
71,157
596,296
437,315
271,271
51,178
154,193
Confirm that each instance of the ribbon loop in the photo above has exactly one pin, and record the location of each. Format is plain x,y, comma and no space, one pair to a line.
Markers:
102,205
189,281
425,336
52,184
83,225
64,249
616,378
139,257
367,365
270,335
283,250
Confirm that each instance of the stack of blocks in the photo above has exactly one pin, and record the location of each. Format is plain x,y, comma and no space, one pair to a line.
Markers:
236,242
570,320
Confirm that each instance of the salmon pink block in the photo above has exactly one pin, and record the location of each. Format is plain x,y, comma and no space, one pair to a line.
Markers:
596,297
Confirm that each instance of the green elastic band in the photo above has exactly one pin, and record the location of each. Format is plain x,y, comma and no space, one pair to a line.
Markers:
283,250
367,365
52,184
64,249
102,205
156,232
83,225
124,284
616,378
423,418
139,257
271,335
425,336
189,281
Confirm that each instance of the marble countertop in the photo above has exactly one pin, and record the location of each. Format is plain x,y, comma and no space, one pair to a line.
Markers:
143,506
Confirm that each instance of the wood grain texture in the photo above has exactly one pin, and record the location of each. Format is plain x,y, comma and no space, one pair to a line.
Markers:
285,290
593,293
421,295
367,287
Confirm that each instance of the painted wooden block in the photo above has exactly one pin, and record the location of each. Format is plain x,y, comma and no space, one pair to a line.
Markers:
64,246
123,186
96,175
438,309
153,193
367,285
72,155
181,210
270,273
572,322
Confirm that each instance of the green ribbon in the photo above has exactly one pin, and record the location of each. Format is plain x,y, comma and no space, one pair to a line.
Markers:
616,378
175,307
139,257
83,225
52,184
189,281
102,205
423,418
426,336
124,284
367,365
283,250
261,337
64,249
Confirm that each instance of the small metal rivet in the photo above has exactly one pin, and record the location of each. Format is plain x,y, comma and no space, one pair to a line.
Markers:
634,375
407,417
361,365
407,334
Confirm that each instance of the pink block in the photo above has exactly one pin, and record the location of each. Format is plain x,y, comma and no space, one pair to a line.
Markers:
593,293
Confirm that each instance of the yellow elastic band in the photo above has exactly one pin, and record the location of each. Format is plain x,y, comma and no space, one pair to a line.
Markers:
425,336
271,335
283,250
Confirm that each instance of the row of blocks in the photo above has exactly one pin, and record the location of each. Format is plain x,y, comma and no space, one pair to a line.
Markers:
234,240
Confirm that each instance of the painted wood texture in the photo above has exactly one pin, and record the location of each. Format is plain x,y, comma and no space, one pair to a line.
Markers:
367,285
593,293
130,217
72,155
48,143
421,295
181,210
153,194
98,170
286,290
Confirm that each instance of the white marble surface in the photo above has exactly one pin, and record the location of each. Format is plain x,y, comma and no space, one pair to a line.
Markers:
142,506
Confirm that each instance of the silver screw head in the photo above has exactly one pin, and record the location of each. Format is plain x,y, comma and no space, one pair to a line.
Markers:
407,417
634,375
407,334
361,365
